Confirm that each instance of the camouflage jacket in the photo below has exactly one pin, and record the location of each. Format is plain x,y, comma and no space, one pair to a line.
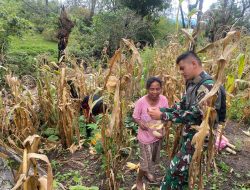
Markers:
187,111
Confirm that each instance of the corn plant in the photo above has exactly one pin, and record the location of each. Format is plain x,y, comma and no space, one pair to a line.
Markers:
30,175
226,45
121,83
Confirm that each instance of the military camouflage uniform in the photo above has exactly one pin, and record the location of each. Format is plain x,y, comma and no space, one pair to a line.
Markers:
189,113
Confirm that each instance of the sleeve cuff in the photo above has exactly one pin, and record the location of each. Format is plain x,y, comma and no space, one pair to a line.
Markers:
163,109
166,116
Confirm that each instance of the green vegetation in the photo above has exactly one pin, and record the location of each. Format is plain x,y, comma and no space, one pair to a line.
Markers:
239,110
24,53
149,41
32,44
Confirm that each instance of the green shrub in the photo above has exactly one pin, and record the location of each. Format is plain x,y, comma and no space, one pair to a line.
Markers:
235,112
21,63
130,124
107,29
162,29
25,52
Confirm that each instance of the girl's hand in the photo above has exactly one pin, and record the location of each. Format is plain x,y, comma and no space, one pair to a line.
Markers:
143,126
154,113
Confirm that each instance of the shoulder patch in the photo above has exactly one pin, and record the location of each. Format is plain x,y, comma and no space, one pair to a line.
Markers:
200,96
204,88
202,91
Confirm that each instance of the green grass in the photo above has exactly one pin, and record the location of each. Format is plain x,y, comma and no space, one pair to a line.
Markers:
32,44
25,53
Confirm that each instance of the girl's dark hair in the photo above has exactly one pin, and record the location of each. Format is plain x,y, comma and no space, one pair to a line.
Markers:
151,80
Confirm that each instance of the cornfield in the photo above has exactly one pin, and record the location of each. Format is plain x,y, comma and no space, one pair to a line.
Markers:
31,102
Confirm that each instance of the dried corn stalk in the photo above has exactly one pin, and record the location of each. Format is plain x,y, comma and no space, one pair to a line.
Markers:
30,176
125,69
65,111
195,171
19,116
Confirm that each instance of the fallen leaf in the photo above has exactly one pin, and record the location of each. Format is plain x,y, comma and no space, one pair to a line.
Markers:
73,148
132,166
92,150
246,133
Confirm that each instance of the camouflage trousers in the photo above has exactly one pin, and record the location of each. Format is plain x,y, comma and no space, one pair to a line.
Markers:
176,177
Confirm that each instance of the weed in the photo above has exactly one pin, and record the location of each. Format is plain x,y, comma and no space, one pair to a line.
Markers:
238,144
130,124
55,165
224,167
69,177
236,105
80,187
238,175
215,181
248,174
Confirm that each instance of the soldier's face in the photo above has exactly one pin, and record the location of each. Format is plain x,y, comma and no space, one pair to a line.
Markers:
154,91
187,68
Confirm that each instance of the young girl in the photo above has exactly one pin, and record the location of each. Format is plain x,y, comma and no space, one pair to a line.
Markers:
222,142
149,144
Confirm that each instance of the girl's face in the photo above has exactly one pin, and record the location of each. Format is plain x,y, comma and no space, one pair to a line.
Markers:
154,91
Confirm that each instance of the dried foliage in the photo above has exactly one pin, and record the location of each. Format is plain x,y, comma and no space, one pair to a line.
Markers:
30,175
165,67
227,46
19,116
47,100
66,112
126,69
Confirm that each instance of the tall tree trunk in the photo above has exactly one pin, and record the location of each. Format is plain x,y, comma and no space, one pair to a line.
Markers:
196,33
182,17
92,9
47,7
199,15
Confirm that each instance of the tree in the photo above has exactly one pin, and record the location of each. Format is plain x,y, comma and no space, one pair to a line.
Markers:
197,29
43,14
47,6
73,2
11,24
227,13
107,30
112,27
92,8
65,27
148,7
109,5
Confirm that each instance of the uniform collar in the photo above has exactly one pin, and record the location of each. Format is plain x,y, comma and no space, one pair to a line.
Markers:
197,79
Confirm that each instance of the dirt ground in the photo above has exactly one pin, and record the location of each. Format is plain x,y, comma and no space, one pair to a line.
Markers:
238,176
234,170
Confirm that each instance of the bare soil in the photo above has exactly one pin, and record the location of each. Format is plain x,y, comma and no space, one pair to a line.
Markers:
234,170
238,176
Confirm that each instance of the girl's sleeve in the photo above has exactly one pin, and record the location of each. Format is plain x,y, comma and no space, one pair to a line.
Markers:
165,102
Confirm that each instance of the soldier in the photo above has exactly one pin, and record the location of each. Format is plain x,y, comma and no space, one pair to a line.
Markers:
187,112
